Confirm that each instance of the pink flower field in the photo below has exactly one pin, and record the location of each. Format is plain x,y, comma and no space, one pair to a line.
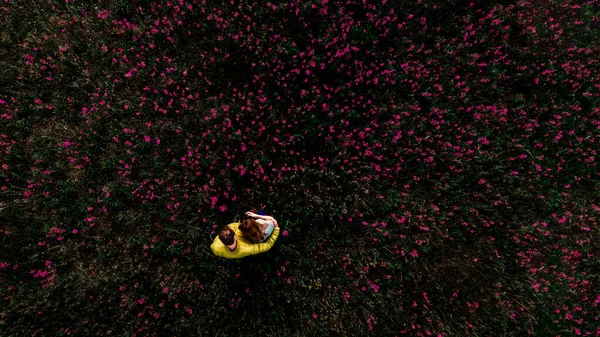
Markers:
433,167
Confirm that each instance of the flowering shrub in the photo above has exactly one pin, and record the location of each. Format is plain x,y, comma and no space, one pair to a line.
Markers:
433,167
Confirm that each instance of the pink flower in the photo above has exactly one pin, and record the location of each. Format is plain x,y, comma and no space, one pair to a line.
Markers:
285,233
147,138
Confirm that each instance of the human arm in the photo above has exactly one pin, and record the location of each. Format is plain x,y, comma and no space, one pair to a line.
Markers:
217,247
267,245
263,217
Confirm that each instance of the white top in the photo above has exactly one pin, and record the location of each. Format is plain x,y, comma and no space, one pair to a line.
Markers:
268,229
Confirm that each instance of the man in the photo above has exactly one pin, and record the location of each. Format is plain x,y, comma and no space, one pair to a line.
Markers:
231,244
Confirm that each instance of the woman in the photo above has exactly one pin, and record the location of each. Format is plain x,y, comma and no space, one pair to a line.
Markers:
259,229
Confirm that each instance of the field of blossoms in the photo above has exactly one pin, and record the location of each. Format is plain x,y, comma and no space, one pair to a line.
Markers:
433,167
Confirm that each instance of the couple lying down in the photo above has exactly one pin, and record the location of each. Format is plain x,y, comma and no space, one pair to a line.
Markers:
249,237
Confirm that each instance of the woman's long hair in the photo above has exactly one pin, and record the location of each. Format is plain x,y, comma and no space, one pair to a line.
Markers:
253,230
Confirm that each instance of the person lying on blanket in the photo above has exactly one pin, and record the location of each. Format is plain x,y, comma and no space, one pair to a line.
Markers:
249,237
